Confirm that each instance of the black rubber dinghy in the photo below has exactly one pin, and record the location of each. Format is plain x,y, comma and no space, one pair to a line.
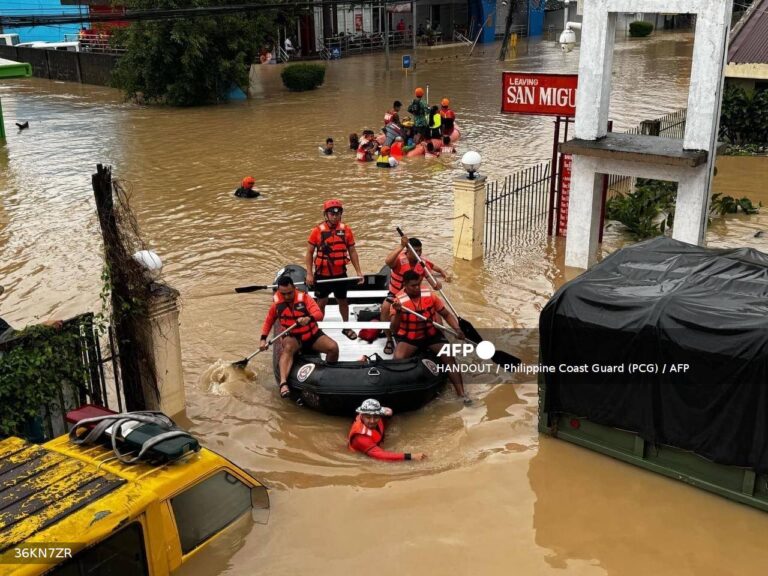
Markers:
339,388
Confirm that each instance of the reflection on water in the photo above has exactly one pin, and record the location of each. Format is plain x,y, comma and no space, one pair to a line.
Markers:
472,507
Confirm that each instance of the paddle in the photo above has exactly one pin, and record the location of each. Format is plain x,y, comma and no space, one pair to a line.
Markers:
244,362
257,287
499,357
466,327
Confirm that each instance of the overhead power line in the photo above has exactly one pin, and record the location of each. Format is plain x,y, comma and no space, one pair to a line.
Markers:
28,20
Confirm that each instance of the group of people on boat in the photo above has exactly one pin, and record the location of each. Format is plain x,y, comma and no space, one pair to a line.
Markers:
330,248
430,131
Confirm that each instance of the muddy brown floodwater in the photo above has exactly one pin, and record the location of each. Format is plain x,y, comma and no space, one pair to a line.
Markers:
494,497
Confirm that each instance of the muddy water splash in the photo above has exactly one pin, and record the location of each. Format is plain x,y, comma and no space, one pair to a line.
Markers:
492,498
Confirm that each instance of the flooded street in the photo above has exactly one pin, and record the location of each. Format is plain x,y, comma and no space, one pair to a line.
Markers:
493,497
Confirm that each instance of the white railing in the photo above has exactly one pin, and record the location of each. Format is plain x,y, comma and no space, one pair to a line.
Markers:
99,43
459,37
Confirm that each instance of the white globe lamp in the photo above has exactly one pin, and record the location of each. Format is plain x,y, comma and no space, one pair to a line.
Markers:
151,263
471,162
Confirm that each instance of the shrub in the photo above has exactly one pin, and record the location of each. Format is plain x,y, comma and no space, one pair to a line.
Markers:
744,116
301,77
639,29
649,210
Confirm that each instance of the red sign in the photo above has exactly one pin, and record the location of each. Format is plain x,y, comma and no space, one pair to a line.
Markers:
539,94
565,192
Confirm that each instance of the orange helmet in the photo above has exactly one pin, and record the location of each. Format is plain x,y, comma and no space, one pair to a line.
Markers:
248,182
385,149
419,92
445,102
332,203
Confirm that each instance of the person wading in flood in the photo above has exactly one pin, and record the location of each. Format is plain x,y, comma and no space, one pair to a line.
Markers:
414,334
246,188
367,432
420,111
291,306
331,245
400,261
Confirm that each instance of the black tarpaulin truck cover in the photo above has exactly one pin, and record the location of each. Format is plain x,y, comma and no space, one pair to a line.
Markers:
658,304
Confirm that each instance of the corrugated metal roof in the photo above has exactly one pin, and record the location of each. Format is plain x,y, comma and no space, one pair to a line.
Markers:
749,44
39,487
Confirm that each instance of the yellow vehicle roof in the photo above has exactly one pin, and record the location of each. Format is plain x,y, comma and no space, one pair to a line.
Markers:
63,493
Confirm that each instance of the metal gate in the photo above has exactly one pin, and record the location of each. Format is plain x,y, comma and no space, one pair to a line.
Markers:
88,383
516,204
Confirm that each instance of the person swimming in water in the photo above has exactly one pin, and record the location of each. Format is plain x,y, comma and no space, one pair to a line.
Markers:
246,188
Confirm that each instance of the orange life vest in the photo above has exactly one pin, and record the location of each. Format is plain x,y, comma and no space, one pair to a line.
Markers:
411,327
376,434
403,265
289,312
332,255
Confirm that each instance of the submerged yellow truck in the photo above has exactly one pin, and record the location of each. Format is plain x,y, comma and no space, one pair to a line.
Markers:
68,509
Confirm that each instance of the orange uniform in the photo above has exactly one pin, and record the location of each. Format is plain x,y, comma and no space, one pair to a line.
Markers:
288,312
402,265
367,440
412,328
331,248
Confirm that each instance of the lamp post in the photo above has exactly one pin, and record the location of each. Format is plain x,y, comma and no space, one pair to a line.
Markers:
471,162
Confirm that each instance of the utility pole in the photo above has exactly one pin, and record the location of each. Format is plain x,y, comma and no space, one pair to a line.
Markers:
413,33
386,37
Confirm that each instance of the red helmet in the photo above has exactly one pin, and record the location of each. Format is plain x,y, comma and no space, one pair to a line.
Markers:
419,92
332,203
445,102
248,181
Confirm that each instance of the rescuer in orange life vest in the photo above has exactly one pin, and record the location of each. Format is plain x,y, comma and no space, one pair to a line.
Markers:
414,334
400,260
291,306
331,246
367,432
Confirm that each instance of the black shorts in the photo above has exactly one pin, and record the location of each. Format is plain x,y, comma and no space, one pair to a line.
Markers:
425,343
338,289
305,347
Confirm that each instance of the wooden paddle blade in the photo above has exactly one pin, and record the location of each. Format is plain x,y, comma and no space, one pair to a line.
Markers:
470,331
243,289
505,359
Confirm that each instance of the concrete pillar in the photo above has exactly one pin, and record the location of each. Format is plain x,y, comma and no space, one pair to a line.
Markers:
595,67
469,217
707,70
583,214
163,331
691,206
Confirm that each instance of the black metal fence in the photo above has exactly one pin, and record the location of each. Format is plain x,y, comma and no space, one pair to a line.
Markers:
94,379
671,125
516,204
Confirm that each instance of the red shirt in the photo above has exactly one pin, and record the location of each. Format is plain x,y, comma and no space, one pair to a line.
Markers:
365,440
368,447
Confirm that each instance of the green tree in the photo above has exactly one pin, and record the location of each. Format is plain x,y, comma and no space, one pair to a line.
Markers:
194,60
